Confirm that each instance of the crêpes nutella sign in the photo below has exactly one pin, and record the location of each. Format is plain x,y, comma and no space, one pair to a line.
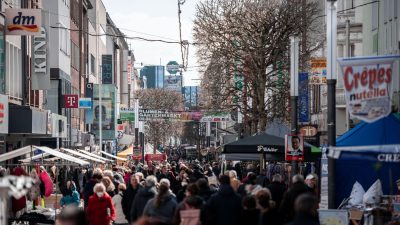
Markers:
368,86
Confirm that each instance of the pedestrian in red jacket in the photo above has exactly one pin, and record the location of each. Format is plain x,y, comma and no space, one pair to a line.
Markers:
100,210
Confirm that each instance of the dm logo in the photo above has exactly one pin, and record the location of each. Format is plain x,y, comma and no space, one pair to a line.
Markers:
23,21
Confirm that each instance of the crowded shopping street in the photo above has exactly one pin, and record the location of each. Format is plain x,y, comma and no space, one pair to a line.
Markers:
199,112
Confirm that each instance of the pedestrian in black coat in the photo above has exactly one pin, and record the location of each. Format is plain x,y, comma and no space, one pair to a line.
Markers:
224,207
129,196
96,177
287,206
306,210
251,214
142,197
269,214
205,191
277,189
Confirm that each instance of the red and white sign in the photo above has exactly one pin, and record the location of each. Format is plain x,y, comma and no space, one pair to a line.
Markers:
155,157
120,127
4,114
71,101
129,69
368,86
294,148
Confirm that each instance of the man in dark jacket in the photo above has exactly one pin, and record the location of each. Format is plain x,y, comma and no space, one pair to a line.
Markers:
205,191
88,189
306,210
142,197
129,196
287,207
224,207
277,189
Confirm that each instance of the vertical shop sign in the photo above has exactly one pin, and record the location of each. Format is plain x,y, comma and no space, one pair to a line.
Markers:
107,69
89,112
303,98
40,70
3,114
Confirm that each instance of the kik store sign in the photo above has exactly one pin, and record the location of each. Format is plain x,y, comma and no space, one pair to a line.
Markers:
23,21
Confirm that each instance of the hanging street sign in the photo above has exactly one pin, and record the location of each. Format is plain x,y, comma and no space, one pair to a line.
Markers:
173,67
368,86
127,114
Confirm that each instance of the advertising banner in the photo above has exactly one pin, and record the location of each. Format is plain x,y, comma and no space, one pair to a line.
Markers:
173,83
294,148
127,114
107,108
155,114
304,114
85,103
216,117
89,112
23,21
129,70
318,71
368,86
71,101
3,114
107,69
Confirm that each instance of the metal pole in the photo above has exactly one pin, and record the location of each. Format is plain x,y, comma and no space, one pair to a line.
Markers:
348,54
100,110
331,82
294,80
208,134
137,123
141,134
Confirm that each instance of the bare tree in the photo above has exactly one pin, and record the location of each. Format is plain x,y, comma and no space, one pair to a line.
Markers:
244,45
160,131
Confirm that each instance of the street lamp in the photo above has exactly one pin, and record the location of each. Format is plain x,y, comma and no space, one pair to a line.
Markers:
331,33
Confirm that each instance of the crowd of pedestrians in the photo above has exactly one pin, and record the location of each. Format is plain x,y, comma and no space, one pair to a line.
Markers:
191,194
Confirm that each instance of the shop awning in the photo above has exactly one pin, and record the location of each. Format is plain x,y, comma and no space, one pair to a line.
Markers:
94,155
113,156
126,152
29,149
83,155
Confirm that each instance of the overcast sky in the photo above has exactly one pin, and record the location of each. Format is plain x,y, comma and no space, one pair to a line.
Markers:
145,18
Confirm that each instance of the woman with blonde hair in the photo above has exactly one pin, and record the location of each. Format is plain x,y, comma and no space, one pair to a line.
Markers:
110,187
269,213
100,209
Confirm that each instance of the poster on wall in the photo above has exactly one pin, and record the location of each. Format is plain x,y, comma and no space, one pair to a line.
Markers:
294,148
368,86
107,109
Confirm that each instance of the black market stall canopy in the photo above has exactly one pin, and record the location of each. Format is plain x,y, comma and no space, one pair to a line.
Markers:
250,148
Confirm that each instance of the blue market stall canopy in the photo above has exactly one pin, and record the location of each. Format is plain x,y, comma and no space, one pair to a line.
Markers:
368,152
385,131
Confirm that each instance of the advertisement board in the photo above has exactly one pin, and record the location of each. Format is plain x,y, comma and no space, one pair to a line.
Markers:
85,103
173,83
3,114
107,69
23,21
368,86
127,114
107,108
318,71
294,148
89,112
304,110
216,117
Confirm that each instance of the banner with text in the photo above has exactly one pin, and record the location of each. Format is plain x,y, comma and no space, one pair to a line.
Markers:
318,71
368,86
304,114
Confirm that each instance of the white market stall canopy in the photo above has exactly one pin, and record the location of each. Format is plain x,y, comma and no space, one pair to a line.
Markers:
31,148
94,159
94,155
113,156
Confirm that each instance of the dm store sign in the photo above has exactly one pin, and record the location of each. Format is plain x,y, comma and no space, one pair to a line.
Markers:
23,21
368,86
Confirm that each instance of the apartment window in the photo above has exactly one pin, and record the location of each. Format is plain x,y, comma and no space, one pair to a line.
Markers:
74,56
92,64
13,72
64,40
